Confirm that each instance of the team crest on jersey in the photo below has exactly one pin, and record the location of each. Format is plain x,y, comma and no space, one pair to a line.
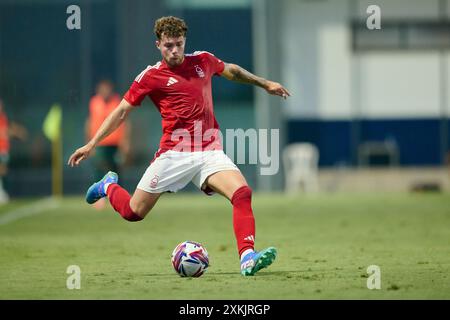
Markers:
199,71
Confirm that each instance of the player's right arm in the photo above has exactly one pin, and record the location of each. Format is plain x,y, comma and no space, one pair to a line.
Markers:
111,123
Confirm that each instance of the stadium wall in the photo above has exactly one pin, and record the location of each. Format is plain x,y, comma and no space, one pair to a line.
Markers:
343,98
384,180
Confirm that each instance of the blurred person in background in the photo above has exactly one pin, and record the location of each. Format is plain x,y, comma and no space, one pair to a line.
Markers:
112,151
7,130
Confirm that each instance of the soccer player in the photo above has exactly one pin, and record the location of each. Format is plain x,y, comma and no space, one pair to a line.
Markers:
190,148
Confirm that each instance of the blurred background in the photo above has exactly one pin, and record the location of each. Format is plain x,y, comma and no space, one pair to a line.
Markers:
368,112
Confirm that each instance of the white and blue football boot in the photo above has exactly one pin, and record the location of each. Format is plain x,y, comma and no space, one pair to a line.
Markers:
255,261
97,190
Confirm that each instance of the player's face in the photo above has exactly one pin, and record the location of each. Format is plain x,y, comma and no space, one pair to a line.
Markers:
172,49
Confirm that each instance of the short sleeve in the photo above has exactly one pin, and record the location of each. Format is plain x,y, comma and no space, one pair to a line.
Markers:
215,63
140,88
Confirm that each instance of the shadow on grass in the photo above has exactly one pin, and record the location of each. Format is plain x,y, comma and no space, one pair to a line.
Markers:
262,273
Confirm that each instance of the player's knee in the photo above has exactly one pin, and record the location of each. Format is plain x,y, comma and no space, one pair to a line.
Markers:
139,210
133,217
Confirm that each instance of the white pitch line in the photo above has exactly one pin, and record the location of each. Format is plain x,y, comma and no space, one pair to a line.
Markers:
31,209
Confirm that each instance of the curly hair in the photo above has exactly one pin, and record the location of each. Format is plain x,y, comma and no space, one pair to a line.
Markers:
170,26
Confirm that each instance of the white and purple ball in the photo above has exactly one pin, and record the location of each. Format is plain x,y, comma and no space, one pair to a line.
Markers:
190,259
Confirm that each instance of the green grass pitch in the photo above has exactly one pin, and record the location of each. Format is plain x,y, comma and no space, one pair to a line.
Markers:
325,244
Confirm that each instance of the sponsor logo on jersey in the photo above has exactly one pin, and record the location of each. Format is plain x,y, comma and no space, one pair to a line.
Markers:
171,81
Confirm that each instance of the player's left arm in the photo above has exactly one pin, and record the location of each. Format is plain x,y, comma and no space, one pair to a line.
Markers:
236,73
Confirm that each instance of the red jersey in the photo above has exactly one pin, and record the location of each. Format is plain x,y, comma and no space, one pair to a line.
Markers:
183,96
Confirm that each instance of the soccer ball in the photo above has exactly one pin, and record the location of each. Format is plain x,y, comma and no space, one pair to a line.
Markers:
190,259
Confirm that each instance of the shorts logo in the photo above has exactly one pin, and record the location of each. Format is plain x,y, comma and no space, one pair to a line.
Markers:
199,71
154,181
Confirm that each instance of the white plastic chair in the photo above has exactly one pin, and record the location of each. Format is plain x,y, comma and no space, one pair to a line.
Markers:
301,161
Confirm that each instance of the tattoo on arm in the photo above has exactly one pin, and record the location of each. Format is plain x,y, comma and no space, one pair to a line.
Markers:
239,74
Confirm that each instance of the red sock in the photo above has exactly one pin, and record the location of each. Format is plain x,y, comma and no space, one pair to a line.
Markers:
120,200
243,220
